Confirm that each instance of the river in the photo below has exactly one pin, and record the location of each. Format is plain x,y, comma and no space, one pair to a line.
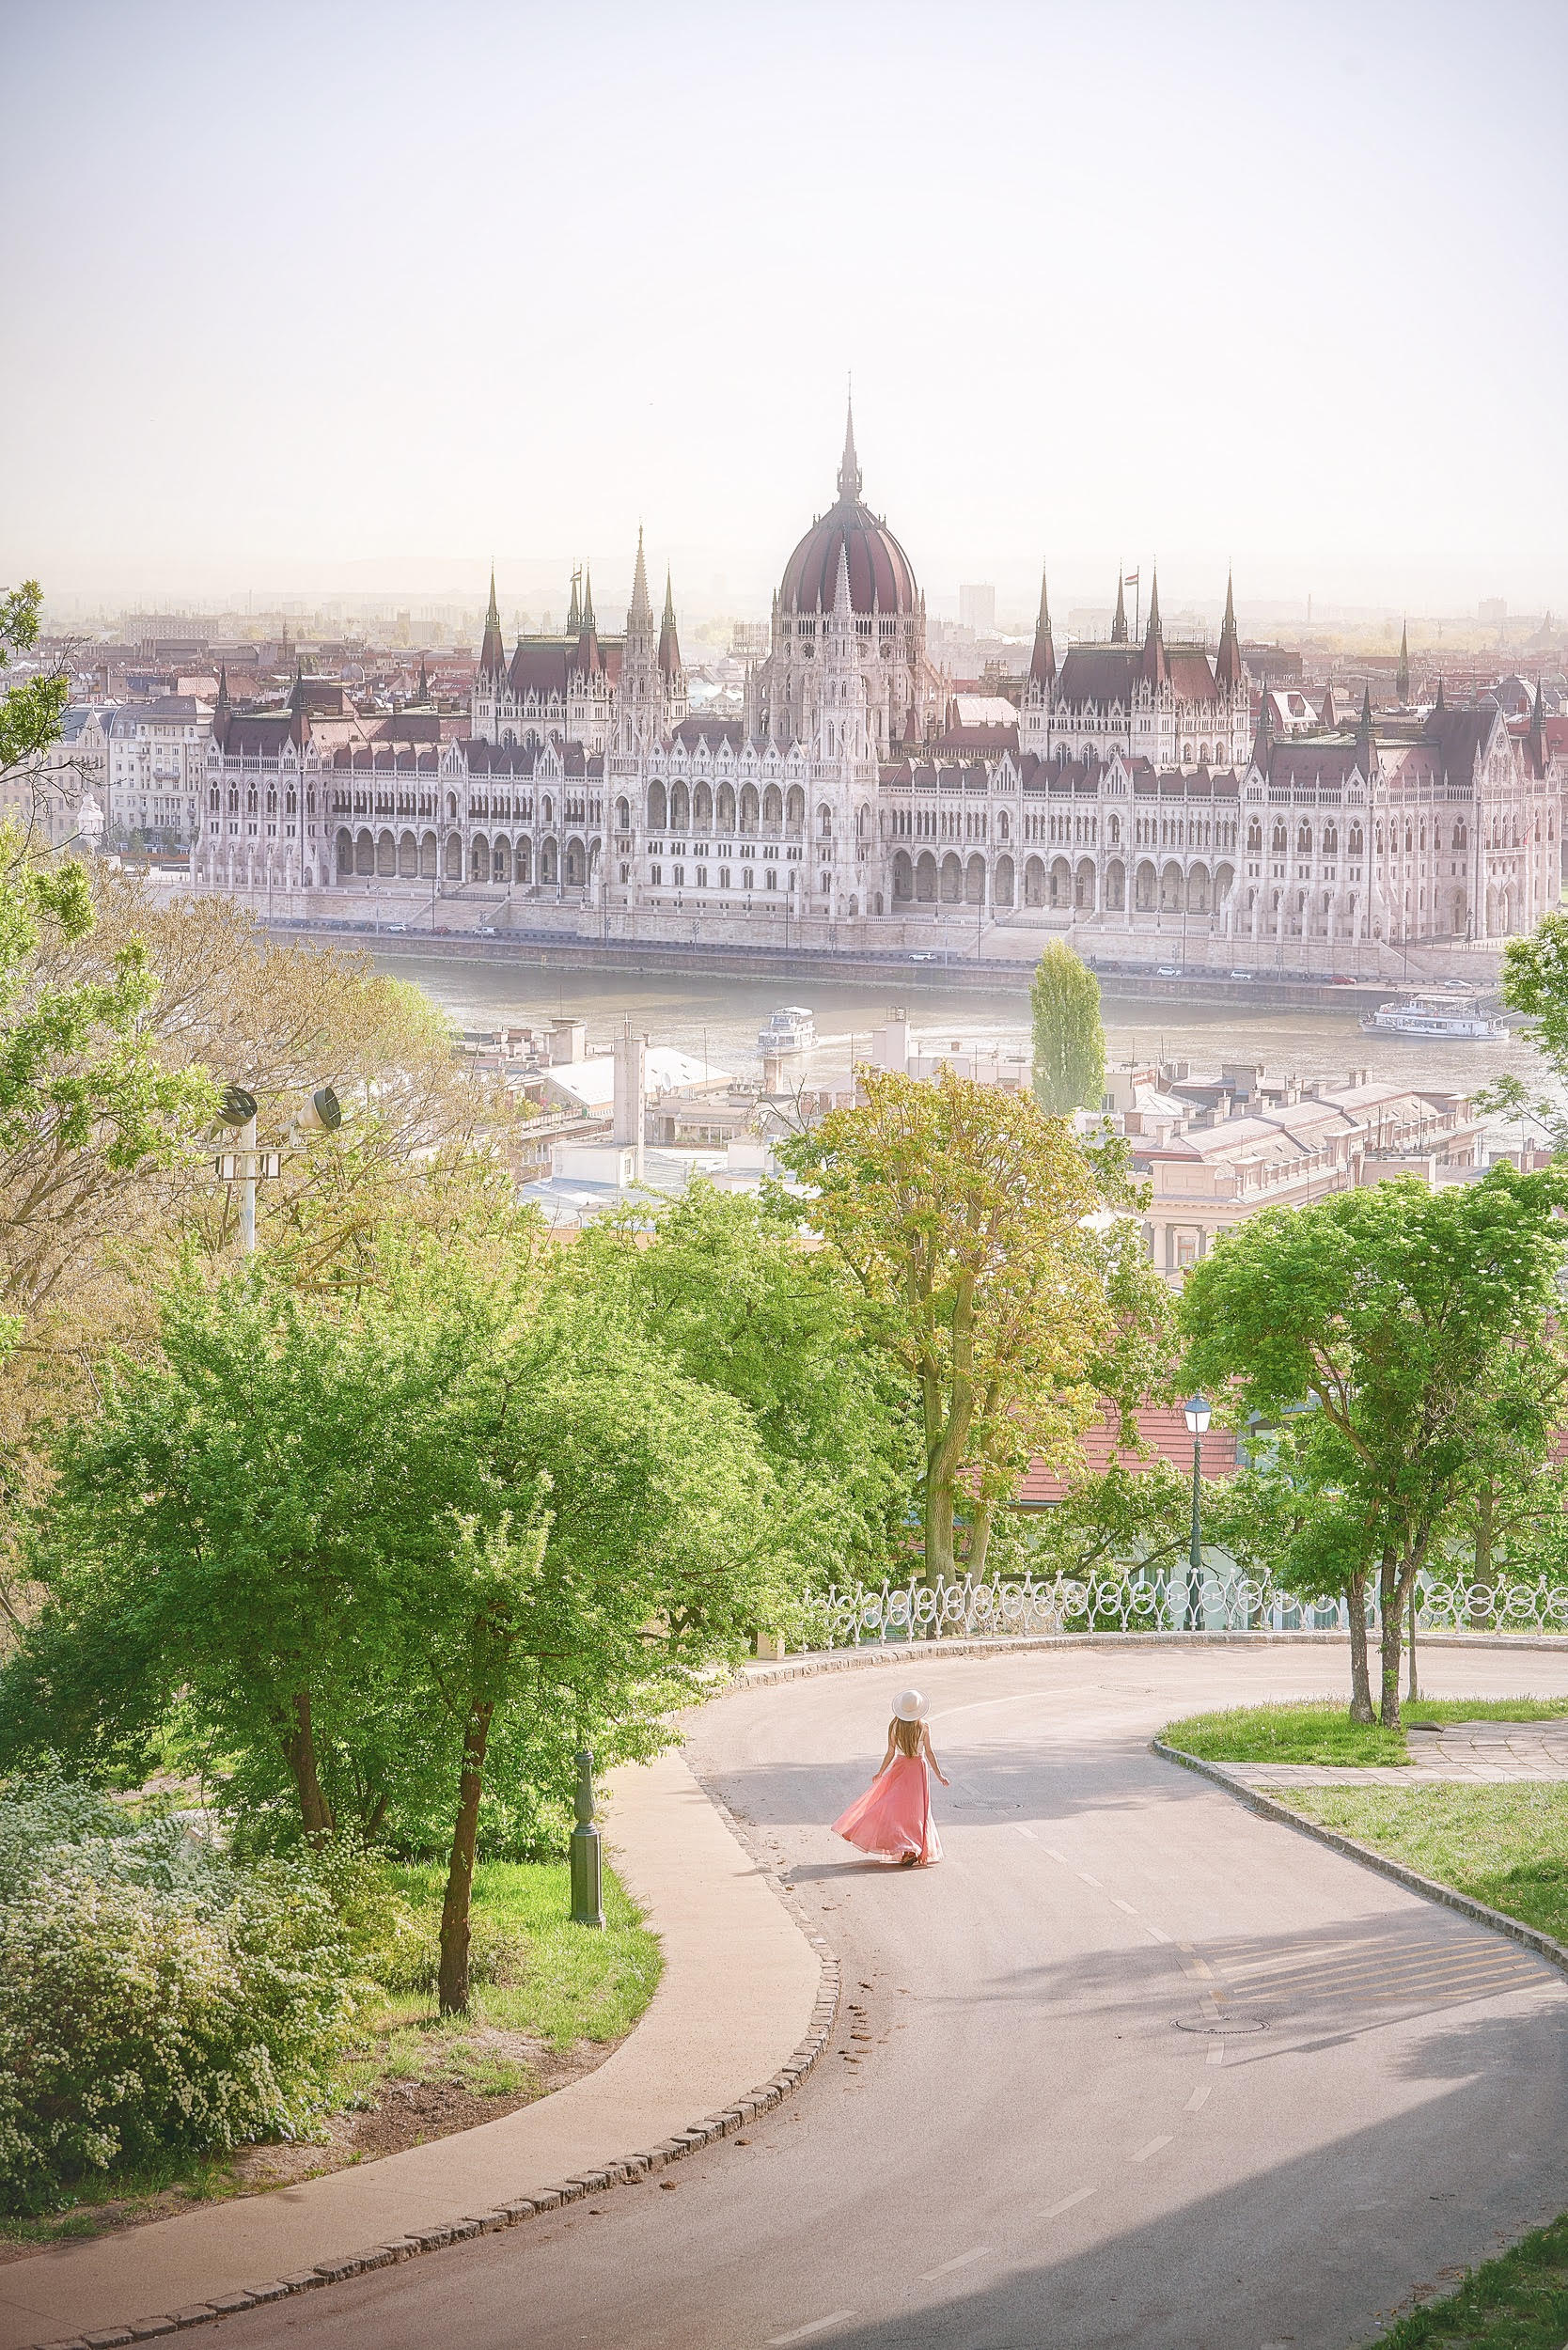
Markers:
718,1019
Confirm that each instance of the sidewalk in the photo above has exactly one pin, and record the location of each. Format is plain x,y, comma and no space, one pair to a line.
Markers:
1461,1754
741,1990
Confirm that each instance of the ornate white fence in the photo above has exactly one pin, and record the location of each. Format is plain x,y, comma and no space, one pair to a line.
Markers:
1025,1605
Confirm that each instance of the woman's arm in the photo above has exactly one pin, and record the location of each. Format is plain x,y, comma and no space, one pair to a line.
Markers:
925,1741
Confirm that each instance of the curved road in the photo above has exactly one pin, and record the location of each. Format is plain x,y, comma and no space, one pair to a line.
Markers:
1030,2134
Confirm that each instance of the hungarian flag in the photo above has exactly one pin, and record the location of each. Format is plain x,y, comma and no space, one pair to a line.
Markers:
1131,580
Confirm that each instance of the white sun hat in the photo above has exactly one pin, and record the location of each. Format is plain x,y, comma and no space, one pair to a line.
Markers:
912,1706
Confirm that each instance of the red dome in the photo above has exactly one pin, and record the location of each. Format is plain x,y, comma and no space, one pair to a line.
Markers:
879,573
880,578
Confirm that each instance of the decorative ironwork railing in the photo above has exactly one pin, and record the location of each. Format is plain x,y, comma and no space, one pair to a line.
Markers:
1026,1604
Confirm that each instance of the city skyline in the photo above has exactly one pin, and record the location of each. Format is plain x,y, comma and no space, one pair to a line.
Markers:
1283,295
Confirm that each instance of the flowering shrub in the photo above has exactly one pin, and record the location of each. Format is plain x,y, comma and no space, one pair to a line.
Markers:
153,1997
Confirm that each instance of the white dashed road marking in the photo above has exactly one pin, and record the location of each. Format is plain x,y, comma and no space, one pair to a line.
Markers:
1200,2096
1157,1933
960,2259
1053,2211
1154,2147
804,2333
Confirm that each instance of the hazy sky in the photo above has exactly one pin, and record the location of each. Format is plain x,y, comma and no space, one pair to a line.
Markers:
343,295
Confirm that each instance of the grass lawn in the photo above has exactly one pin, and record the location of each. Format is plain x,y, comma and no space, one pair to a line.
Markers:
1516,2302
1504,1845
1312,1730
550,1998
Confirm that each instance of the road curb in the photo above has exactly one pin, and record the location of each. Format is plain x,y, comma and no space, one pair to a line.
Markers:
1023,1643
625,2171
1554,1952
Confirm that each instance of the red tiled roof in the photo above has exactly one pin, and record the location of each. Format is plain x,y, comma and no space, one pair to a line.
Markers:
1162,1429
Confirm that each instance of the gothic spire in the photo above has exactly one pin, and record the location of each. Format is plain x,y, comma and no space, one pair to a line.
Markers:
1042,662
1440,703
639,612
574,609
844,610
1154,669
1402,674
1119,625
1364,732
587,622
669,648
848,465
221,706
1228,667
1262,739
493,653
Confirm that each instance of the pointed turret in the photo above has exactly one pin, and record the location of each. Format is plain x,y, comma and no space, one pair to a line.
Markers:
1154,667
1438,704
1538,731
1402,674
424,692
220,708
589,656
1042,662
669,648
1119,625
493,653
844,608
1263,737
849,465
574,609
639,612
1228,666
1364,750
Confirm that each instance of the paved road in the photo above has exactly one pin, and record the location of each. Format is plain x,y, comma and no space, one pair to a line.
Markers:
1030,2134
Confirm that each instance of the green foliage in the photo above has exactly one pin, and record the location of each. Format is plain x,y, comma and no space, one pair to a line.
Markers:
151,2002
998,1264
723,1286
1068,1040
30,713
1421,1324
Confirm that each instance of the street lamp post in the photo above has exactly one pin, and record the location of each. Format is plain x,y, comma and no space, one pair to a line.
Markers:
1196,1412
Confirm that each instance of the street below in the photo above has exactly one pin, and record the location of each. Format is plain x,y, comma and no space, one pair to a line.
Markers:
1132,2066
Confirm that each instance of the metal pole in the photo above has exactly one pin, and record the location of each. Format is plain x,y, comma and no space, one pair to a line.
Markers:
1194,1554
247,1188
588,1882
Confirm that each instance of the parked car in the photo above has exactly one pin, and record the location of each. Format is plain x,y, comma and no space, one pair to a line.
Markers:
1168,971
1244,975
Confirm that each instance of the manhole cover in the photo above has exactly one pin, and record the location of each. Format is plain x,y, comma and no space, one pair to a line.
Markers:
1226,2027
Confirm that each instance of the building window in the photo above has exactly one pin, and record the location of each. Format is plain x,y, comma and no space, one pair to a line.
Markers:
724,876
656,875
772,878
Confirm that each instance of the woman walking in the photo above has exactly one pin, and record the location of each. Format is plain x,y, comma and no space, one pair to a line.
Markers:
893,1816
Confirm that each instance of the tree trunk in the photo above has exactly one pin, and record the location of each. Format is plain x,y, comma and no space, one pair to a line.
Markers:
1413,1688
1389,1605
939,1531
298,1749
1360,1679
979,1539
460,1872
1484,1577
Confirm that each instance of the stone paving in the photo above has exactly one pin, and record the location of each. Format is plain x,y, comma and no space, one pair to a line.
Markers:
1464,1753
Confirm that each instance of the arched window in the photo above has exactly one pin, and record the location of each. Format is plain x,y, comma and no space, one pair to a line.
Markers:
825,820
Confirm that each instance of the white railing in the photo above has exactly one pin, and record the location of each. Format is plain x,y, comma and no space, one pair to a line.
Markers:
1026,1606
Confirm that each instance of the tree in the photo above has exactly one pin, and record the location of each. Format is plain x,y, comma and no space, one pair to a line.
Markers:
32,709
997,1264
345,1546
1069,1041
721,1284
1534,980
1417,1323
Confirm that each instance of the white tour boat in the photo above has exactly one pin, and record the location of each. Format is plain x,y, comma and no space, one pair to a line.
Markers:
791,1029
1436,1012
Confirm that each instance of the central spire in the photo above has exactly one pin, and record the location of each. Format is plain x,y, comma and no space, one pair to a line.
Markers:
849,469
639,612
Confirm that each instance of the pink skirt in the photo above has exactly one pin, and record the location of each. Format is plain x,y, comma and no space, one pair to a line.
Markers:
893,1816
